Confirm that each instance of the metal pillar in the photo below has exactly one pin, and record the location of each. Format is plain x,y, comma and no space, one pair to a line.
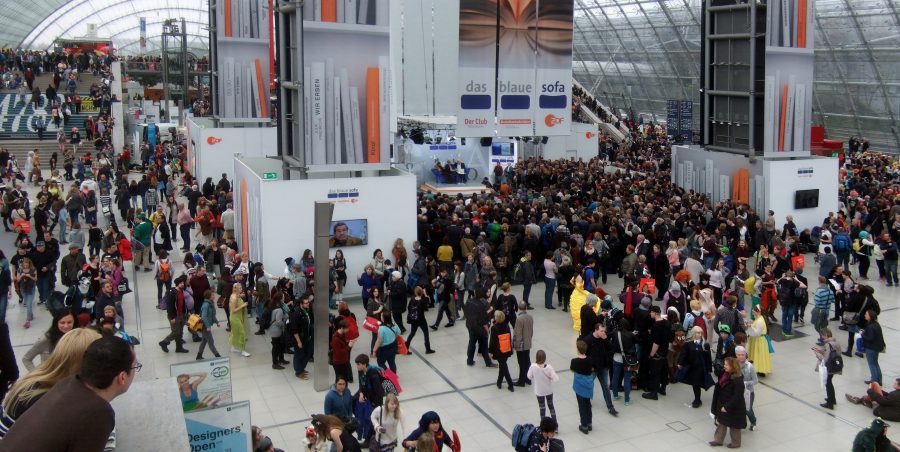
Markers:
322,222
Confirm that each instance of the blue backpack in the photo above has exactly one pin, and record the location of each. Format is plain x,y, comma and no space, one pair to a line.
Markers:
841,242
521,436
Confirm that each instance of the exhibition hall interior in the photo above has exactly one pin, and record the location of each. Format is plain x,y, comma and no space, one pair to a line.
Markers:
446,225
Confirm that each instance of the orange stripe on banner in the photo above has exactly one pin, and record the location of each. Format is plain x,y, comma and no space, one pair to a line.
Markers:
245,224
227,14
373,116
260,86
801,24
329,10
784,102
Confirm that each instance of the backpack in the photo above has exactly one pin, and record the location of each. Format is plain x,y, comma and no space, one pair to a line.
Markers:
857,245
841,242
521,436
834,363
165,271
265,320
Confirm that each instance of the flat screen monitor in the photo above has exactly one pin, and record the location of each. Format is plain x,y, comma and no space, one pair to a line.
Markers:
349,233
806,199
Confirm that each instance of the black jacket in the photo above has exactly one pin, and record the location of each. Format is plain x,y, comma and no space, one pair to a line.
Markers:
494,342
599,352
476,316
730,395
398,296
697,360
300,324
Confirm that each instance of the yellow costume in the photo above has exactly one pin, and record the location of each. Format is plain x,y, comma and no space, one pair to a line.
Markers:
758,349
576,301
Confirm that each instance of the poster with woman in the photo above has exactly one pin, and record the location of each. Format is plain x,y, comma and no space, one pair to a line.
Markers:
203,384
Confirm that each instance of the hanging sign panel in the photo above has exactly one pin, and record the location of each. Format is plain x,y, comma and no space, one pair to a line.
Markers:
553,115
477,67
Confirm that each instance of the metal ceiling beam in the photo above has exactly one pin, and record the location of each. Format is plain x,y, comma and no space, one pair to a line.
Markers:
593,20
840,71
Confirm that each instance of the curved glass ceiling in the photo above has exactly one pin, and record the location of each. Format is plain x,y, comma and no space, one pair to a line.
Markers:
634,55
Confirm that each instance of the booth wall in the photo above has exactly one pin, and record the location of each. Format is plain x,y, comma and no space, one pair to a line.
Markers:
212,148
118,109
722,164
582,143
784,177
388,203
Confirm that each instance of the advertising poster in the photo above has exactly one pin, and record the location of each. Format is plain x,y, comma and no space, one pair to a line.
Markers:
224,428
203,384
516,62
553,114
477,67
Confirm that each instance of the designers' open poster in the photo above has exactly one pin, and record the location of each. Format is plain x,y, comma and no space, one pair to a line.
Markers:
225,428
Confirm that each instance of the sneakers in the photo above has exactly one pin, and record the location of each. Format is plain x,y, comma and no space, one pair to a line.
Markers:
853,400
628,403
245,354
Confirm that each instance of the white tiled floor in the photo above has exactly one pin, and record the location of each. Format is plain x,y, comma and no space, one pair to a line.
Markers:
467,400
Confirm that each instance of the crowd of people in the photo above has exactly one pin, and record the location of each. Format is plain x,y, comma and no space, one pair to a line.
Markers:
702,283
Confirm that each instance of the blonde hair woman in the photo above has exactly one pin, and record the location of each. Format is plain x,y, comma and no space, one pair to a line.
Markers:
237,313
389,422
64,362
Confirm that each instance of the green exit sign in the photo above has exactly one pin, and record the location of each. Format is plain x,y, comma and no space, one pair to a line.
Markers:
270,176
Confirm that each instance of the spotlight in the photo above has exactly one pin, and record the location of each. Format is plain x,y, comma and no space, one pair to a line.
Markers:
417,135
486,141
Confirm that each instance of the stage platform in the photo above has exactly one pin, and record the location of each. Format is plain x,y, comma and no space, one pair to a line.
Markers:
454,189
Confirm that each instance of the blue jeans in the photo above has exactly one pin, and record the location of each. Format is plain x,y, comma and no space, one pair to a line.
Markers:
301,358
481,341
890,270
28,301
751,416
874,368
4,301
549,285
843,259
603,376
787,317
73,214
43,287
618,384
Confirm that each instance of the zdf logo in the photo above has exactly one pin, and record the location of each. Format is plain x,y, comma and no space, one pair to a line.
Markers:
213,140
590,135
552,120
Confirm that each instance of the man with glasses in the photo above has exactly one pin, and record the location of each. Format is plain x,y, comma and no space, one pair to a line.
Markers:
78,407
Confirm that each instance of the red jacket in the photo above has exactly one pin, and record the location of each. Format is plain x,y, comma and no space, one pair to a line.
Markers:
340,349
125,249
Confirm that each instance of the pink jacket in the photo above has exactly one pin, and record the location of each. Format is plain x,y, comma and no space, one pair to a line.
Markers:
542,379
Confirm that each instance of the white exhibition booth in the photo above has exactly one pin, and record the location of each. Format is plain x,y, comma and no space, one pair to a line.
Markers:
774,183
274,218
582,144
210,149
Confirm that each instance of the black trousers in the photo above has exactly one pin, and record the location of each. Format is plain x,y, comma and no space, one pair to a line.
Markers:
524,359
277,350
421,324
658,378
503,371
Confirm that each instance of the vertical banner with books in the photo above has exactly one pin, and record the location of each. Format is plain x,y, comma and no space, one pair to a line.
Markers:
225,428
553,115
529,69
477,67
203,384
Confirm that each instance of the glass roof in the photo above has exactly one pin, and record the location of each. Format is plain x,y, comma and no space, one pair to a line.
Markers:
36,24
632,54
636,54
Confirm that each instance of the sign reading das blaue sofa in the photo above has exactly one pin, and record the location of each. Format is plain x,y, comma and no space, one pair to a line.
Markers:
520,85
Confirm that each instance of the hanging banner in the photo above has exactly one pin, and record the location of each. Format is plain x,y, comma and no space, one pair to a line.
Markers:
225,428
142,25
477,67
553,115
203,384
532,63
516,62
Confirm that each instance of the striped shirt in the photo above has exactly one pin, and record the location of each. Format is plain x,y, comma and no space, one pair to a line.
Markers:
823,298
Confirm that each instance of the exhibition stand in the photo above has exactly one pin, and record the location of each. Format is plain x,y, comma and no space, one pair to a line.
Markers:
582,144
273,217
210,149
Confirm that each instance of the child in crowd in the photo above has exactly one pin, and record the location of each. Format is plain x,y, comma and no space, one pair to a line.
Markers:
543,376
583,385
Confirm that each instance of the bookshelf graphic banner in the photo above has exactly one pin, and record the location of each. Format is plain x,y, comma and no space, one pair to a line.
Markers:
521,52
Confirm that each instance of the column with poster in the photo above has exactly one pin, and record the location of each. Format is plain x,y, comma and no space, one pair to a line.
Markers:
516,62
477,68
203,384
553,115
686,121
224,428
